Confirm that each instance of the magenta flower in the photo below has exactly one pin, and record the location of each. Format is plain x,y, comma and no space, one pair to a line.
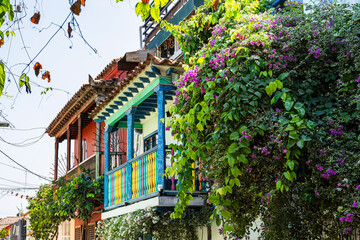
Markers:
355,204
326,176
358,187
307,163
319,167
331,172
346,231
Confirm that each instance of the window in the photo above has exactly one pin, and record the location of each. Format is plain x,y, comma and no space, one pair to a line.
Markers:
84,150
115,148
151,142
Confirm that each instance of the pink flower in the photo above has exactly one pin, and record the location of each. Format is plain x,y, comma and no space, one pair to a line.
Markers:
355,204
77,213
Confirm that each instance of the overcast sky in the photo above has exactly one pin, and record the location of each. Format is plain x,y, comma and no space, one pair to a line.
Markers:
111,28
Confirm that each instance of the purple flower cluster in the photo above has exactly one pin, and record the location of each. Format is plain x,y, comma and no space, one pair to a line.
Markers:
316,53
358,79
337,132
189,76
348,218
217,62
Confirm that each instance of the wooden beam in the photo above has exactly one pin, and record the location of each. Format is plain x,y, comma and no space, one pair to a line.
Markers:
138,85
123,98
156,70
79,139
144,79
150,74
128,94
119,103
109,110
133,90
56,158
68,149
115,107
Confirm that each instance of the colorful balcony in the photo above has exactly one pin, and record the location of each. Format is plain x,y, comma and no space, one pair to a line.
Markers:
140,105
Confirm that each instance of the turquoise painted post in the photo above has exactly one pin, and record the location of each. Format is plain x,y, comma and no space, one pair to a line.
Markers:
161,157
107,167
130,149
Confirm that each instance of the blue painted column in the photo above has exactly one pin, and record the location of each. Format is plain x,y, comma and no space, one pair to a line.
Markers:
160,90
107,166
130,149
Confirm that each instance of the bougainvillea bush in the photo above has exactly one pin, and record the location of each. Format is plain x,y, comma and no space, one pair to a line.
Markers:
269,106
62,201
158,225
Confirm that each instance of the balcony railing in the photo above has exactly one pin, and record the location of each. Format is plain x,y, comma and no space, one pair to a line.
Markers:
88,164
144,180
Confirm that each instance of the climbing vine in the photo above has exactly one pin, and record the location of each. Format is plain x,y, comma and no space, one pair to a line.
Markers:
269,106
158,225
64,200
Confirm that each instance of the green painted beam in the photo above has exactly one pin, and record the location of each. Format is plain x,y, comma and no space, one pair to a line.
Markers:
139,98
124,125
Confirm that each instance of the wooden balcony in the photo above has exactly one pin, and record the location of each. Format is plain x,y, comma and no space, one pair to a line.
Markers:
144,181
89,164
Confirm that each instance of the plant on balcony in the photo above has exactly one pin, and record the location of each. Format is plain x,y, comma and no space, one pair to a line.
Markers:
158,225
4,233
64,200
269,105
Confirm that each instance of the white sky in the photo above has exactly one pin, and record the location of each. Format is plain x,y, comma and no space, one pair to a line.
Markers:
111,28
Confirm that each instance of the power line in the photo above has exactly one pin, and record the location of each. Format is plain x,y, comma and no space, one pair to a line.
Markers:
12,166
24,129
24,167
24,143
12,181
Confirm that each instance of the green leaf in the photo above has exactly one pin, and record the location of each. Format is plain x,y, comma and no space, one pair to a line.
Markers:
276,97
157,3
270,73
279,84
2,77
234,136
200,127
214,199
291,165
235,171
155,13
231,161
310,125
163,2
283,76
278,184
288,176
11,12
233,147
288,104
300,143
225,214
289,128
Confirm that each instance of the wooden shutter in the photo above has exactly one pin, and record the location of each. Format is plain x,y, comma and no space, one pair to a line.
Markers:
78,233
91,231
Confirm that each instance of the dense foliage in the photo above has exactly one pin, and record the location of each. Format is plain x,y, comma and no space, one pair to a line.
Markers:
63,201
158,225
269,106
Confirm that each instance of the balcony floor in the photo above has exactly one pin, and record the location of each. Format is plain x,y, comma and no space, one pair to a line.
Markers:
156,201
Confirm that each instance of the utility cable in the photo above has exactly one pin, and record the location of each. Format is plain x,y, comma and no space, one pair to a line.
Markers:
25,167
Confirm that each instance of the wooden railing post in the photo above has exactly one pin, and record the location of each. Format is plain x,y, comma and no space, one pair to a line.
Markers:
106,167
130,149
160,90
